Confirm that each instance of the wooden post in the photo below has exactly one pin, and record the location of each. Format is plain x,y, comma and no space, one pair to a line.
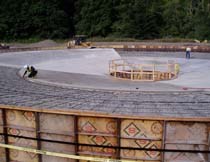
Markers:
163,140
76,138
110,64
6,141
118,137
115,70
176,69
141,73
169,70
132,74
153,77
38,136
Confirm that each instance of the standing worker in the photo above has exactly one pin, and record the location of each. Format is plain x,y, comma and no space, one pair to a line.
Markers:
188,50
32,71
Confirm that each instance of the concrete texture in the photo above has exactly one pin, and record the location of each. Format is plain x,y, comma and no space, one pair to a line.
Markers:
149,99
93,65
194,73
83,61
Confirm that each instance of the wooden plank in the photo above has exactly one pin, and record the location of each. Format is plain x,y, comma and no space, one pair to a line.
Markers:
149,155
188,131
53,123
20,155
141,128
145,134
26,121
20,118
89,127
100,141
186,136
56,147
59,128
2,150
2,153
185,157
97,125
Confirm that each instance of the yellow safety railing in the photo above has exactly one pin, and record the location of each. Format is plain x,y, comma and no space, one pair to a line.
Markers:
121,69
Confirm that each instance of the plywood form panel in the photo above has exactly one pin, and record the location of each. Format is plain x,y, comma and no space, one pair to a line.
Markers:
100,132
59,128
97,125
99,141
185,157
1,128
141,134
141,129
58,124
146,155
20,155
24,119
21,123
188,132
56,147
186,136
2,155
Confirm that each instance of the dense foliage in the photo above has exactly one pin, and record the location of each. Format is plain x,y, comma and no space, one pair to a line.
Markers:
141,19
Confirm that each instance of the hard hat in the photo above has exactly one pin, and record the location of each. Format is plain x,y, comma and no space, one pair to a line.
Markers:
25,66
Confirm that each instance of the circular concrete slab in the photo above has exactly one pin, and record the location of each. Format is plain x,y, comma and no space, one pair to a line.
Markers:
88,68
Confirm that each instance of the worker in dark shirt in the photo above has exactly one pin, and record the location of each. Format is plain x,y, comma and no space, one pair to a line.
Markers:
31,70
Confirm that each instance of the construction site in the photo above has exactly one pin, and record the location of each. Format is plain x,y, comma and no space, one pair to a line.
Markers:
105,102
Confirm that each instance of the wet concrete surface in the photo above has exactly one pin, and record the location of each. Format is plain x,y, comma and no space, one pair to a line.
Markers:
100,93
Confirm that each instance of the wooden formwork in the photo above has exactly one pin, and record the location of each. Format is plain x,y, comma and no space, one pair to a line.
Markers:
101,135
120,69
2,150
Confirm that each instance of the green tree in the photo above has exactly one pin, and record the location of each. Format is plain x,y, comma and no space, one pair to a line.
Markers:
139,19
142,19
175,18
202,21
94,18
30,18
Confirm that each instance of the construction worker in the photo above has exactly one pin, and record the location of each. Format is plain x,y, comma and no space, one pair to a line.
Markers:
188,50
31,70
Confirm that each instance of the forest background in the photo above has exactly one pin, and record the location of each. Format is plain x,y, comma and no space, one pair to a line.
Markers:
136,19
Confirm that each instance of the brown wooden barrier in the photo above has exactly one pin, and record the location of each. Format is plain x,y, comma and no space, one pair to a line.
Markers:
100,129
158,47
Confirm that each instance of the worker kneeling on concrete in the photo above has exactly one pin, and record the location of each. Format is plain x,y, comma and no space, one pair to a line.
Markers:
31,70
